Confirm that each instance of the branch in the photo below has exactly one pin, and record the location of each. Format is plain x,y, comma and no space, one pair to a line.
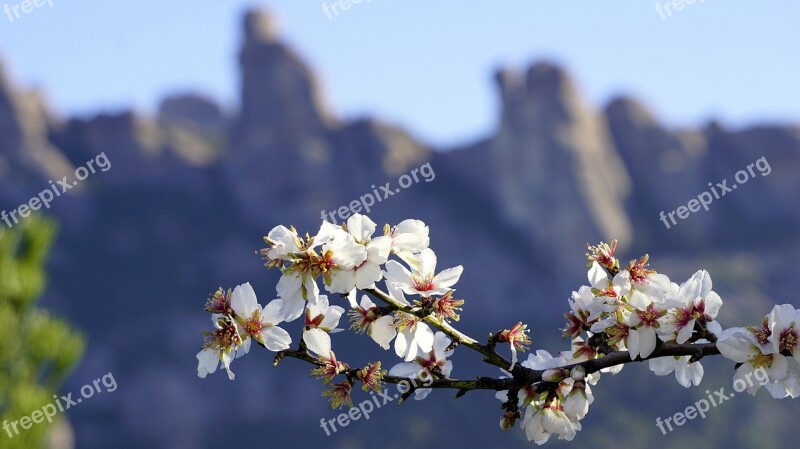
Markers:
525,376
490,356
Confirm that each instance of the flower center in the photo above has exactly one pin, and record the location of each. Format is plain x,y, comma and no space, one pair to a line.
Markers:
423,283
789,339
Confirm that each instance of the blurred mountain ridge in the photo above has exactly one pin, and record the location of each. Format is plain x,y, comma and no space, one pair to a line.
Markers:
191,189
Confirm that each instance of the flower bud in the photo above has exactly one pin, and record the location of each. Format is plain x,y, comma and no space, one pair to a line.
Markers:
555,375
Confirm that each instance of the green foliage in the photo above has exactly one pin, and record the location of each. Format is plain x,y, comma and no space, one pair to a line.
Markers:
37,350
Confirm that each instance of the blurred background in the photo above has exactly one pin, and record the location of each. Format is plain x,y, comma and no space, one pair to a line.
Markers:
547,127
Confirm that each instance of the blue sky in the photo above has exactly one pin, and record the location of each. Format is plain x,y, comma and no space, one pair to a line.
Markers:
424,65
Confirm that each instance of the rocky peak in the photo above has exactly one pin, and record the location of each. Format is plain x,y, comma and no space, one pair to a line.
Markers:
557,173
279,93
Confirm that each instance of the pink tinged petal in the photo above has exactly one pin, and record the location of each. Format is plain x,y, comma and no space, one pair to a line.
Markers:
733,345
686,332
361,227
367,275
207,362
342,281
271,315
647,341
318,342
663,366
448,277
382,331
598,278
244,301
633,343
276,339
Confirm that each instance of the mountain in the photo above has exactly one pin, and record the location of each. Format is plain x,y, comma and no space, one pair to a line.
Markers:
190,192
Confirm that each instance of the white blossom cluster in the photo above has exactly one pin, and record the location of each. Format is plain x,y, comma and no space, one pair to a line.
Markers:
630,308
345,259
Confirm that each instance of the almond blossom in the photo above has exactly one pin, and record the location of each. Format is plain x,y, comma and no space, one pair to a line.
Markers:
367,317
426,368
423,280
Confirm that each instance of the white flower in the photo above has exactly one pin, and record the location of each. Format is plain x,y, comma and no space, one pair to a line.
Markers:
427,367
294,288
343,254
693,301
784,325
540,423
260,324
319,343
365,271
366,317
323,316
739,345
789,387
298,285
542,360
687,374
414,336
410,236
423,281
643,320
576,402
221,346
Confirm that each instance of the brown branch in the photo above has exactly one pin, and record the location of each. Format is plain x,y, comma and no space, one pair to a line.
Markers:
525,376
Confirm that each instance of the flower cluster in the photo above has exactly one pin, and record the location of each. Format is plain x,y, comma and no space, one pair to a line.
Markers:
626,312
774,346
345,259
